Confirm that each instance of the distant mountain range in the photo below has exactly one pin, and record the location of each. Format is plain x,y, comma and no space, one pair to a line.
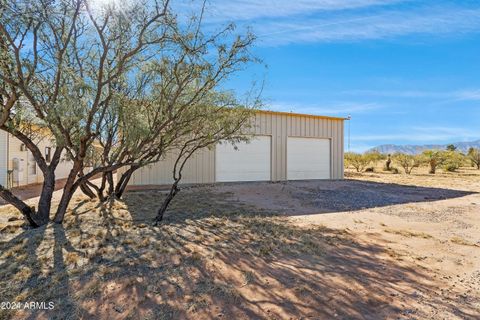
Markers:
416,149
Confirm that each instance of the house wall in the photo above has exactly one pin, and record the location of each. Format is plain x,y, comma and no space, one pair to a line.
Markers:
26,162
3,158
201,168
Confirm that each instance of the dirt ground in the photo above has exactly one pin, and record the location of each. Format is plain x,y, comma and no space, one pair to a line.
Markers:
372,246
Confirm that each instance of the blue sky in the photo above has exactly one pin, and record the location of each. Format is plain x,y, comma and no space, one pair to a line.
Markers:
408,72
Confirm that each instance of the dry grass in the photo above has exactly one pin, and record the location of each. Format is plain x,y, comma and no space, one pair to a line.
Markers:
201,233
463,242
212,257
409,233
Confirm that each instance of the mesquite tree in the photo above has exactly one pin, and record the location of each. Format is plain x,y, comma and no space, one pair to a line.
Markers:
68,60
357,160
407,161
474,157
20,58
107,83
435,159
155,112
216,121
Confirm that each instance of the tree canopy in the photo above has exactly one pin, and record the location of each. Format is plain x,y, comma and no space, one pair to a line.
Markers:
117,87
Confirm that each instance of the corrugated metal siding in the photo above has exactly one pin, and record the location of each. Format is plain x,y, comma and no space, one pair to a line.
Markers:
201,168
282,126
3,158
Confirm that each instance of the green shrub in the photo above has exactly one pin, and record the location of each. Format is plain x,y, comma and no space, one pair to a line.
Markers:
474,157
407,161
454,160
435,159
357,160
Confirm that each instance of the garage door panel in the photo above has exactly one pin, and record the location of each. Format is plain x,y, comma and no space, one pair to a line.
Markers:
308,158
249,162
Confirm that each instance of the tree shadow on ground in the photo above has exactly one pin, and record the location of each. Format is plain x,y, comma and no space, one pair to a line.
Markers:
213,257
36,271
293,271
327,196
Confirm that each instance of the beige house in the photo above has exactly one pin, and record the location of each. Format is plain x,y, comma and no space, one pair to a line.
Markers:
285,146
18,166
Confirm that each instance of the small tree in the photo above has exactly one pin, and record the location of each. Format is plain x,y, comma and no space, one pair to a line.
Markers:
215,125
357,160
451,147
435,159
407,161
374,157
454,160
474,157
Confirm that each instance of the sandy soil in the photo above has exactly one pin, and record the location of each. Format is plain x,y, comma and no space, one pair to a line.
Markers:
374,246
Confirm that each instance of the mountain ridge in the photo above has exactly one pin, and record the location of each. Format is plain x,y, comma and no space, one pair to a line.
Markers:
416,149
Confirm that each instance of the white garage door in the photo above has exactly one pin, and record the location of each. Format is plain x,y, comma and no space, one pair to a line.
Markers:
308,158
251,162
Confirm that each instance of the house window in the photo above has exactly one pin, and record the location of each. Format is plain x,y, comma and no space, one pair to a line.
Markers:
48,154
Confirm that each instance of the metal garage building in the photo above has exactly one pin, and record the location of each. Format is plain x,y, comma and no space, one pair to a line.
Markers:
286,146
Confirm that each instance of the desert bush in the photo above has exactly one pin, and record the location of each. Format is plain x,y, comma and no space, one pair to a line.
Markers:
474,156
407,161
435,159
357,160
374,157
454,160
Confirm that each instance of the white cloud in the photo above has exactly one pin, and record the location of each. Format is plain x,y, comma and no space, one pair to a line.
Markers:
279,22
468,95
221,10
386,24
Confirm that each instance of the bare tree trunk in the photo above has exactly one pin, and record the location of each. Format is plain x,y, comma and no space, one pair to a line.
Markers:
45,202
27,211
109,176
123,182
433,166
68,191
173,192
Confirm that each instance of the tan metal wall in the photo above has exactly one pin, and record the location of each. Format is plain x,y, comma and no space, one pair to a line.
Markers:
201,168
3,158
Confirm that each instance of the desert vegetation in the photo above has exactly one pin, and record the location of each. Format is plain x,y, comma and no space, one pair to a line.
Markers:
449,160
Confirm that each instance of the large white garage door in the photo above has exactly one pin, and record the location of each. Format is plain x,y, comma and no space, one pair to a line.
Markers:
251,162
308,158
